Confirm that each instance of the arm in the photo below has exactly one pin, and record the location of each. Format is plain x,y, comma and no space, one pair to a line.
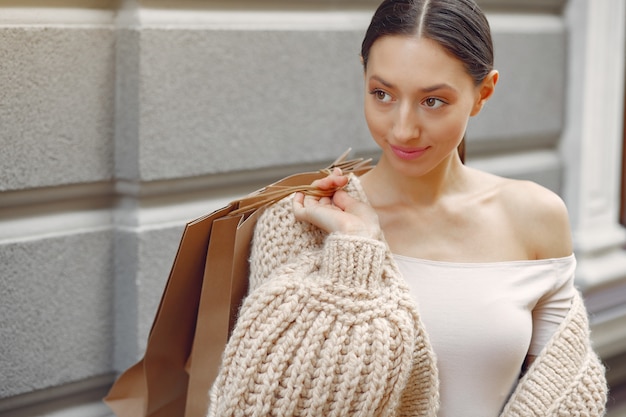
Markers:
331,328
551,309
542,222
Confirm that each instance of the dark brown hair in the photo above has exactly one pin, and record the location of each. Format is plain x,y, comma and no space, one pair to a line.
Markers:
459,26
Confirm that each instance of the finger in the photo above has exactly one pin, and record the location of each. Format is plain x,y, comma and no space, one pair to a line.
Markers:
351,205
310,200
305,203
334,180
298,199
327,201
298,204
344,201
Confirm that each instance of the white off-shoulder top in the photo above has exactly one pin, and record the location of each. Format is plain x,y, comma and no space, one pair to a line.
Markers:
483,319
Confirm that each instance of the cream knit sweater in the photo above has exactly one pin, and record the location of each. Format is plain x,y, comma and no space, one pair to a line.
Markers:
329,329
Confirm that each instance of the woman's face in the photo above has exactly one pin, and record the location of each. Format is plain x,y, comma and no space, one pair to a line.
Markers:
418,101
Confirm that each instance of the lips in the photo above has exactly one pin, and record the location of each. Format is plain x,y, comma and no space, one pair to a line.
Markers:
408,153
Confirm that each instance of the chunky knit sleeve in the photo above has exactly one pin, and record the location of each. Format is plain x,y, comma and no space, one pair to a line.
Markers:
567,378
278,239
329,332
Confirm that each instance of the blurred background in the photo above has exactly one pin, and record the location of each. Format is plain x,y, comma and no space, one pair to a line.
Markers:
120,121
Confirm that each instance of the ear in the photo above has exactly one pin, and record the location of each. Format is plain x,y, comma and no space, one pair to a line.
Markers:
485,91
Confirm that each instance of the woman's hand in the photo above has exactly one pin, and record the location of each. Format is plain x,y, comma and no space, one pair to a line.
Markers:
338,213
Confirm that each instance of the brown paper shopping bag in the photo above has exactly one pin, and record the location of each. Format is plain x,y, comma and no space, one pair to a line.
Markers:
199,305
225,284
156,386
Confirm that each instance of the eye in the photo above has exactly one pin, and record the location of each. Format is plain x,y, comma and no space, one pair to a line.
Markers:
433,103
381,96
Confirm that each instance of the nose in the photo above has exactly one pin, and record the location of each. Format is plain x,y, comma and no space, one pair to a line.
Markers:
406,124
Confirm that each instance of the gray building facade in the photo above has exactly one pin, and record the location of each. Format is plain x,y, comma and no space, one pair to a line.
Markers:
120,121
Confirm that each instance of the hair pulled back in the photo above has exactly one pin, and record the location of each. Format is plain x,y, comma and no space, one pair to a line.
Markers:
459,26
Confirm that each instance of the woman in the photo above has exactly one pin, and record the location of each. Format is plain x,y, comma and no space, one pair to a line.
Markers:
424,287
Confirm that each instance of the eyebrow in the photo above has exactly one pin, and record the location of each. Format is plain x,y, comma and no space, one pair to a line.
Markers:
430,89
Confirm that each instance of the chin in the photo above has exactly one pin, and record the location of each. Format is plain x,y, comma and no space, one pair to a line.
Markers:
407,168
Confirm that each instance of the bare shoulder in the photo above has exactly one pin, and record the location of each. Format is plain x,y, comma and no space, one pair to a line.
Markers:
540,217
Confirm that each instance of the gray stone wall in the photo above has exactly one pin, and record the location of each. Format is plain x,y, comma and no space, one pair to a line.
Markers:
121,122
